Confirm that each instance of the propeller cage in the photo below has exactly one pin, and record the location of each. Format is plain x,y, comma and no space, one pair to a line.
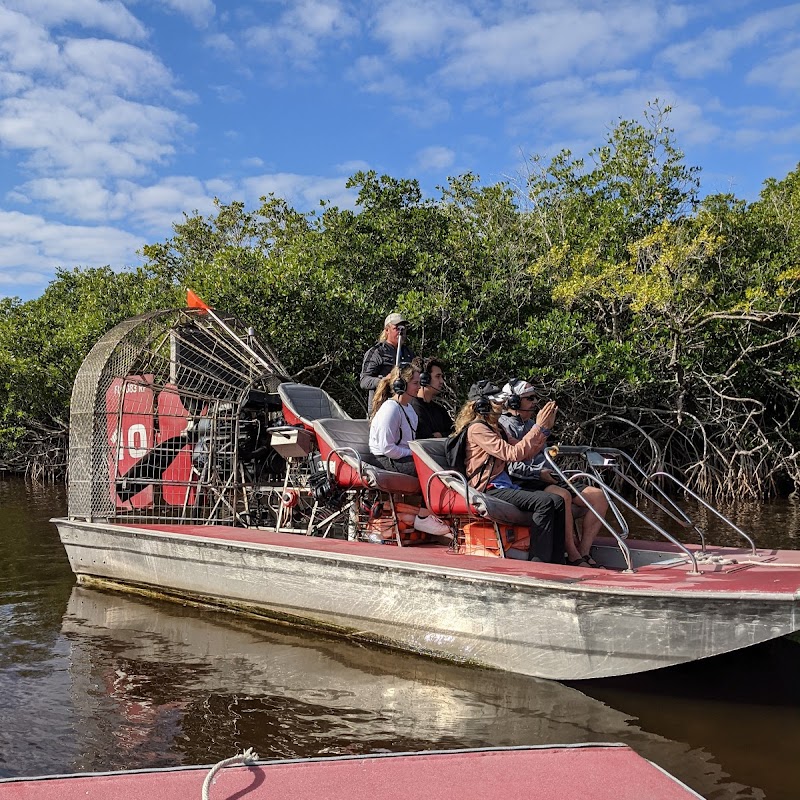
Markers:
168,420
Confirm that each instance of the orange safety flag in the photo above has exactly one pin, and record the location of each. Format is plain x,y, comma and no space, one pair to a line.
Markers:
193,301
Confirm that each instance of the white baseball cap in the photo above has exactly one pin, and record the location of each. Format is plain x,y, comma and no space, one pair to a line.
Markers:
519,388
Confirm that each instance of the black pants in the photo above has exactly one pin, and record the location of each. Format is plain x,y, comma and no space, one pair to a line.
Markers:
404,465
547,521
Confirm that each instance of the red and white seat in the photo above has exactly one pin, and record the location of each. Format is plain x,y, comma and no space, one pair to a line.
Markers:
303,404
344,447
448,495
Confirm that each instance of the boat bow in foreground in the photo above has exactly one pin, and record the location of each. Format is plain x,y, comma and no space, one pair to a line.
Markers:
592,772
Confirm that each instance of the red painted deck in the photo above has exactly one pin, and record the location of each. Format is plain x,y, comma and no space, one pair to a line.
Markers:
589,772
777,572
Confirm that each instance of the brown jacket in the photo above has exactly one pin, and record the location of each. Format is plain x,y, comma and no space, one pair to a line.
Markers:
483,442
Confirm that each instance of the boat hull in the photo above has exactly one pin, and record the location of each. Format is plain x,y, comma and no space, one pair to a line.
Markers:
543,622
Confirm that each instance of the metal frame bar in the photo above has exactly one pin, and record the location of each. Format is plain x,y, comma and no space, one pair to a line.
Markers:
718,514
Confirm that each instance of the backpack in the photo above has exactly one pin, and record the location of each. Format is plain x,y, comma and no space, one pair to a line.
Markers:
455,452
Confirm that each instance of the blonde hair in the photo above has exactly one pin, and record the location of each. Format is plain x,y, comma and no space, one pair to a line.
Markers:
384,391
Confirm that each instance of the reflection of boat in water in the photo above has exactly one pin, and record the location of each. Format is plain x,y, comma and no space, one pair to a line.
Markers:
152,678
495,774
168,497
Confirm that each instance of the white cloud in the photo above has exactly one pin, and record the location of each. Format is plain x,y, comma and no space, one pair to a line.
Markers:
228,94
25,46
374,75
422,106
76,134
114,66
713,50
159,205
74,105
221,43
85,199
31,247
300,31
303,191
419,28
573,112
200,12
781,71
106,15
550,43
349,168
435,158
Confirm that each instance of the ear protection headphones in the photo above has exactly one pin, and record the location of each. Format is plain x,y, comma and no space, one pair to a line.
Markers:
424,379
514,403
483,406
400,384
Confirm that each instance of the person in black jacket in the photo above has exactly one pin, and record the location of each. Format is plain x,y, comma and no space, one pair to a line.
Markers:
380,359
434,421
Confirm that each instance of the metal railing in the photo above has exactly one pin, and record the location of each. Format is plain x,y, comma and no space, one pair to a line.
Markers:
609,460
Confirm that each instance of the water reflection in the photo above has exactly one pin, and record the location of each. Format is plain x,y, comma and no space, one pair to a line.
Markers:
155,685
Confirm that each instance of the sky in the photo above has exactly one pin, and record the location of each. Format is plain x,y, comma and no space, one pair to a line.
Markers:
119,116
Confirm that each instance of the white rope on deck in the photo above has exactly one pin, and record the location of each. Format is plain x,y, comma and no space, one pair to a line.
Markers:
248,757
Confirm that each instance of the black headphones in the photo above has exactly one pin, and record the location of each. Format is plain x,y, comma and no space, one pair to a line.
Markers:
483,406
424,379
400,384
514,402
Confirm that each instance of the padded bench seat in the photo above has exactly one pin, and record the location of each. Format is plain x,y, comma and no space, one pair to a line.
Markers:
448,496
336,434
303,404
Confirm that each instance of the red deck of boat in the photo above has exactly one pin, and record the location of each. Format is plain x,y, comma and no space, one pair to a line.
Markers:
589,772
777,574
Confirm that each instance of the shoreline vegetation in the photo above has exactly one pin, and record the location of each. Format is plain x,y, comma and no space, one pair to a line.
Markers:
661,322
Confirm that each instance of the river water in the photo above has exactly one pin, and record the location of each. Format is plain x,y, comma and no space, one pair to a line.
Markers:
93,680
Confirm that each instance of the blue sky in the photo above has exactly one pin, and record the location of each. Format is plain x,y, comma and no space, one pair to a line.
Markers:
118,116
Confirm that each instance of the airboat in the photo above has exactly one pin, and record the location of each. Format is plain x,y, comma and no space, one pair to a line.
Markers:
201,473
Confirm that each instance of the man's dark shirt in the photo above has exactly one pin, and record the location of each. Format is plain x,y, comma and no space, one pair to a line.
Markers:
433,418
378,363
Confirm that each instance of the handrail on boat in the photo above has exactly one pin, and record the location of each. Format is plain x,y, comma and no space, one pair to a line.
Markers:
585,450
718,514
674,511
679,515
338,451
598,481
625,549
447,473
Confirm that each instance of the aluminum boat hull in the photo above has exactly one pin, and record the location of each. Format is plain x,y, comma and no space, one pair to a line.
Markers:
542,620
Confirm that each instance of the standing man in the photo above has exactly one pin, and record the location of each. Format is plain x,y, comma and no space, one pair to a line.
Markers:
381,358
434,421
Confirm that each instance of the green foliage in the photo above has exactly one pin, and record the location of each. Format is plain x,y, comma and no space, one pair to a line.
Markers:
660,323
44,341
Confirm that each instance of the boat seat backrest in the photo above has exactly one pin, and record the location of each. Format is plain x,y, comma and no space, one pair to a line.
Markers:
447,496
334,434
303,404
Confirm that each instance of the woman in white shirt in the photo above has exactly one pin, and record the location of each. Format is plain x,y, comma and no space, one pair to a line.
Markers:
394,420
392,427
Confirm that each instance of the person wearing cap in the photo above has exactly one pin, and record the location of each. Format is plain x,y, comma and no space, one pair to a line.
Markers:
517,421
434,421
381,358
489,450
